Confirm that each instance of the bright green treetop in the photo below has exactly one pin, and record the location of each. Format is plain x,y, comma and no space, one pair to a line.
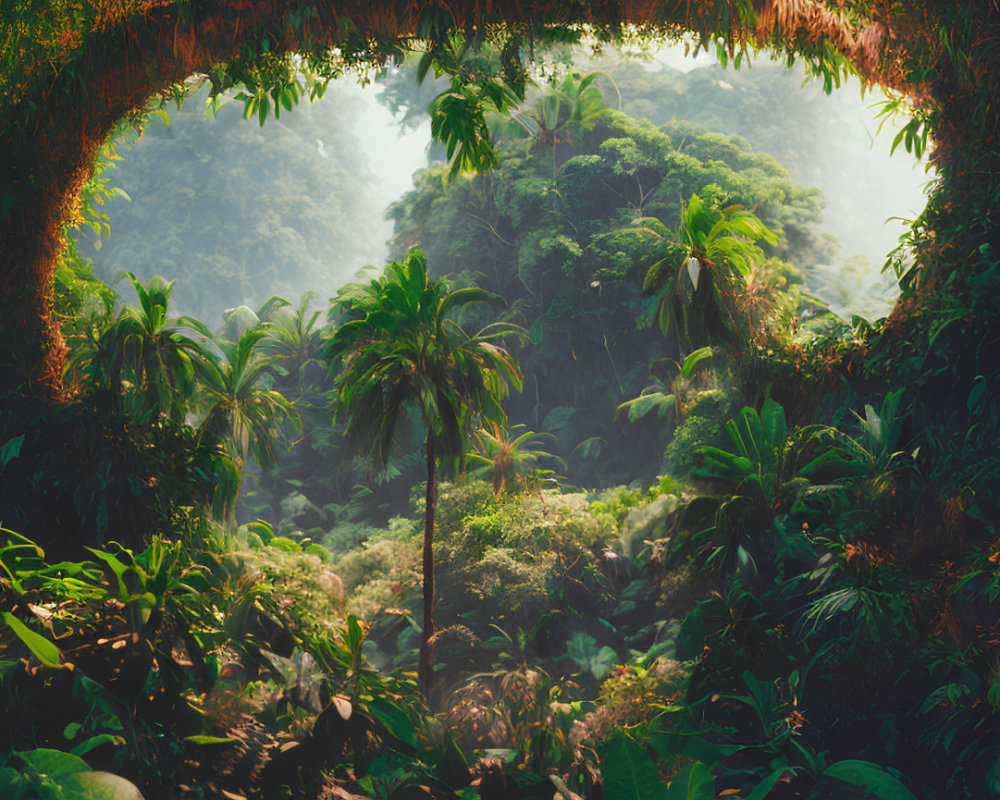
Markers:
403,349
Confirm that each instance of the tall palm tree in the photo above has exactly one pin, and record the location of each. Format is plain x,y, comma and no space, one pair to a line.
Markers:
400,350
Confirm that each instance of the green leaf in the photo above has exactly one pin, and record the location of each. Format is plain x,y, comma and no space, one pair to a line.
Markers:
355,634
202,739
44,650
11,449
694,782
772,417
395,720
94,742
628,771
762,789
871,777
694,359
119,569
558,418
979,387
70,731
54,763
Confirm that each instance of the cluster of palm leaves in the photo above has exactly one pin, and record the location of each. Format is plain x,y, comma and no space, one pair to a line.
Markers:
159,382
510,459
400,348
704,296
562,114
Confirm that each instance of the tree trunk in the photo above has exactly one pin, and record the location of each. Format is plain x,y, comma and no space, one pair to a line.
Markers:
425,670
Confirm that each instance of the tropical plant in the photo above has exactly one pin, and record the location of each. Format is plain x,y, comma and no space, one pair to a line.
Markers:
294,341
561,114
400,349
143,359
671,399
874,452
726,531
510,462
700,295
238,406
478,79
755,461
115,640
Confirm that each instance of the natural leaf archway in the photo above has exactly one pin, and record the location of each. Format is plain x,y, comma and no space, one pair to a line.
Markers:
71,71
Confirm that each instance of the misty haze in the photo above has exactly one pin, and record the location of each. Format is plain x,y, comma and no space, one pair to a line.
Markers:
236,213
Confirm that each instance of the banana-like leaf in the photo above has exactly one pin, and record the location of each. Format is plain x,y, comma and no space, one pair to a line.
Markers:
872,778
44,650
628,772
694,782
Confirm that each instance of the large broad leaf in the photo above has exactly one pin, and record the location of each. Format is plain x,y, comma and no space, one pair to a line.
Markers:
693,359
10,450
44,650
558,418
628,772
694,782
728,466
747,434
871,777
54,763
395,720
772,417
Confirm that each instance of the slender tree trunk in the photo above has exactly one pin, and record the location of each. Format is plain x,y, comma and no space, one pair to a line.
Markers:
430,507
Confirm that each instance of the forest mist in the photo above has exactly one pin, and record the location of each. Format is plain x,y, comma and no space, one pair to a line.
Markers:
236,213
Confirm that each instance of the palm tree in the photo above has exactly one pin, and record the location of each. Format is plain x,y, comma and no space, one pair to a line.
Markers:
564,112
401,350
671,399
140,361
294,342
511,462
700,291
239,407
559,118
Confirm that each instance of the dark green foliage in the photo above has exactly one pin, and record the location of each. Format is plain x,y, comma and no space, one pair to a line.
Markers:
702,426
566,228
